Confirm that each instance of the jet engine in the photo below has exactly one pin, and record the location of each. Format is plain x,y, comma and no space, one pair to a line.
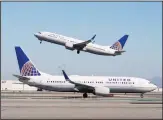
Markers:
102,91
69,46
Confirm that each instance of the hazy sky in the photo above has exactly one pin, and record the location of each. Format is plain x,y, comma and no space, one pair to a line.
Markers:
142,21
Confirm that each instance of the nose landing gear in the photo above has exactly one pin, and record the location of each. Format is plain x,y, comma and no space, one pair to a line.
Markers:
78,51
85,95
40,41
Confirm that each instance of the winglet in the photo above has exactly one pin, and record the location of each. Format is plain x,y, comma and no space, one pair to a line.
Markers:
93,37
65,76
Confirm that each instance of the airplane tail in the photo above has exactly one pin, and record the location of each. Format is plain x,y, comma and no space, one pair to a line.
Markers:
26,67
120,43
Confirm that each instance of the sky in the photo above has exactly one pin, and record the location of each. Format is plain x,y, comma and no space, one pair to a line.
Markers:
142,21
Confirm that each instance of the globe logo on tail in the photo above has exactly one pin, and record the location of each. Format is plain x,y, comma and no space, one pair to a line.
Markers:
29,70
117,46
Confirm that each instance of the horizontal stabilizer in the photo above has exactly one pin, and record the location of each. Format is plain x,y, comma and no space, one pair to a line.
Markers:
120,51
21,77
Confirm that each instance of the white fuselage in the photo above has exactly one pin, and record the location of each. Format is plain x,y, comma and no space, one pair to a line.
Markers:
115,84
69,41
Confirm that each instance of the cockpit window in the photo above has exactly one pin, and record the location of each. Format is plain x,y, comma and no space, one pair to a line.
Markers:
39,32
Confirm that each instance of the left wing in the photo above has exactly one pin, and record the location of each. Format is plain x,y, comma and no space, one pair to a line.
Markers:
83,44
77,84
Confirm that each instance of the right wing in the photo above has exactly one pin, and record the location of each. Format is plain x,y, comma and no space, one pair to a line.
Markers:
83,44
77,84
21,77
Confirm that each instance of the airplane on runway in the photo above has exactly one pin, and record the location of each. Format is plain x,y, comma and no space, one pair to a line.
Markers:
80,45
98,85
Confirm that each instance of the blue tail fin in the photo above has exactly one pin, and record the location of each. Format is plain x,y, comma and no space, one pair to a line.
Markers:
120,43
25,65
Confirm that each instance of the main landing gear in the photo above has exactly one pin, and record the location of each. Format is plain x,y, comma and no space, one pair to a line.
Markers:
40,41
85,95
142,95
39,89
78,51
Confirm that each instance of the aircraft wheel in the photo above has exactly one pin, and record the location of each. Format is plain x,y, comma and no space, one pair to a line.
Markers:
85,95
40,42
39,89
142,95
78,51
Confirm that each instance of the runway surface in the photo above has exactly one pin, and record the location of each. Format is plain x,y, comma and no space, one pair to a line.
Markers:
73,106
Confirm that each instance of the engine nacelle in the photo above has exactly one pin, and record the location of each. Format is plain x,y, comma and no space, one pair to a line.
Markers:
102,91
69,46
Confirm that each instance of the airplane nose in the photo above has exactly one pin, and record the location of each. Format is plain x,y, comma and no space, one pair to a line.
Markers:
36,34
154,87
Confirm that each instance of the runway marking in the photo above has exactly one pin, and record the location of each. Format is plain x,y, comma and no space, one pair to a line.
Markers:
3,109
81,107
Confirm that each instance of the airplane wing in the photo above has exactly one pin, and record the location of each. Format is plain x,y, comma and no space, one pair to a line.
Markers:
77,84
83,44
21,77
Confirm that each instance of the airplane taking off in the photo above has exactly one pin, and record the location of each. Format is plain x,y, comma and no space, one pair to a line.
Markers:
98,85
80,45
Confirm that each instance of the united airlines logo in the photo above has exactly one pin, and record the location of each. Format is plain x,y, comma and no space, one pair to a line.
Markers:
29,70
117,46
